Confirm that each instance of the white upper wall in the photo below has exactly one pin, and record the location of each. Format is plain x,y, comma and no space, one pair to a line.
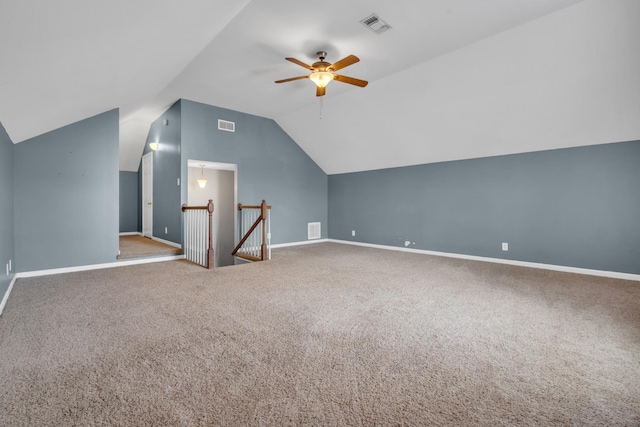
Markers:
567,79
65,61
453,78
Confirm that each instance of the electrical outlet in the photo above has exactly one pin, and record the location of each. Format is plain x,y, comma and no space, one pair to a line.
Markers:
10,266
505,246
166,230
178,182
353,232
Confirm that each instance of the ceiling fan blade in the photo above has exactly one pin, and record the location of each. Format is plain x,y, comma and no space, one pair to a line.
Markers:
292,79
300,63
320,91
344,62
350,80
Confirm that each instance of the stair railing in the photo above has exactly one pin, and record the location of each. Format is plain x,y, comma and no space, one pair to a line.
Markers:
198,235
255,229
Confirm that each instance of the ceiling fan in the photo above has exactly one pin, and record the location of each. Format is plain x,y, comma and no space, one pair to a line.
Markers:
323,72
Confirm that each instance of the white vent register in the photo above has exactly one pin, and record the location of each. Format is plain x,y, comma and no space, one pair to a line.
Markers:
375,24
226,125
313,230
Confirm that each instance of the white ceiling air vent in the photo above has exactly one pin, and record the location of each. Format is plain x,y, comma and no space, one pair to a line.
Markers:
375,24
226,125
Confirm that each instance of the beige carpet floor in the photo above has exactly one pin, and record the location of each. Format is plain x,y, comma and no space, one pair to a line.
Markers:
135,246
324,334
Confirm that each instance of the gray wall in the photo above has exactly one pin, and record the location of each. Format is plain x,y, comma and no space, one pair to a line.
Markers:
166,171
66,195
577,207
271,166
6,211
129,202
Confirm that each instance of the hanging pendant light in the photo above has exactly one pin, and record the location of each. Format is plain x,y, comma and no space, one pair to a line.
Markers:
202,182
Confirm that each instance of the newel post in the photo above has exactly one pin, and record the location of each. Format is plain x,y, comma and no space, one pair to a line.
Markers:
210,248
263,213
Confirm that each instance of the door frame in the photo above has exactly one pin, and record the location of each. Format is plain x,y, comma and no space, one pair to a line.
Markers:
147,194
232,167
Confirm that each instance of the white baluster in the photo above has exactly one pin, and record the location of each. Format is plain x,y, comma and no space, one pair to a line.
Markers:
201,236
187,235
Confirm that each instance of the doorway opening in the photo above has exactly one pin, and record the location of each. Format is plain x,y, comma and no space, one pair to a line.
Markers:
142,243
221,187
147,195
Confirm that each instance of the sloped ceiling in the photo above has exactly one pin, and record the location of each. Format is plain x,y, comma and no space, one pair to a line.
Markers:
452,79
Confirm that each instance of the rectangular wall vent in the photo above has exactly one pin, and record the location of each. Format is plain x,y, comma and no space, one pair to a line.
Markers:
313,230
226,125
375,24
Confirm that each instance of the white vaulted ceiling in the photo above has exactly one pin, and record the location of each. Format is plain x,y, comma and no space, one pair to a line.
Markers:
452,79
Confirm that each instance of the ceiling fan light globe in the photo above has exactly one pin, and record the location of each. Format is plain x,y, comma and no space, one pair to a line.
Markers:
321,78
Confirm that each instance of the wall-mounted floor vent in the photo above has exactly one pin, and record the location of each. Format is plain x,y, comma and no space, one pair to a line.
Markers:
226,125
313,230
375,24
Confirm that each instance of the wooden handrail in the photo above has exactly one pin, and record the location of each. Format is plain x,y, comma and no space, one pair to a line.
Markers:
246,236
241,206
208,208
262,218
193,208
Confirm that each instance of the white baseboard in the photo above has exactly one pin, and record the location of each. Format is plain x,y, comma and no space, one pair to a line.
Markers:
600,273
131,233
565,269
303,242
167,242
98,266
6,294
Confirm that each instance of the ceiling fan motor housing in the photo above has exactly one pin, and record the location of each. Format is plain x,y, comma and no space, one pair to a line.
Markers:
322,66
